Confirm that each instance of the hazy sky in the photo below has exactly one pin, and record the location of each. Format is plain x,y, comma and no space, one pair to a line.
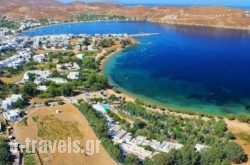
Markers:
178,2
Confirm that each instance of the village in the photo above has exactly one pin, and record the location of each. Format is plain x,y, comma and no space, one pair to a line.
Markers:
48,78
26,49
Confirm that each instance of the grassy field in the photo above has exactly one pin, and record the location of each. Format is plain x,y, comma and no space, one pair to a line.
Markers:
43,123
54,129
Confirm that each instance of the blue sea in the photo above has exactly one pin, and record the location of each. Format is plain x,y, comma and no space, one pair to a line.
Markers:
189,68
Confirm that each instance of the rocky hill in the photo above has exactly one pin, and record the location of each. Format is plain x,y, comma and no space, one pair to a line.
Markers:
201,16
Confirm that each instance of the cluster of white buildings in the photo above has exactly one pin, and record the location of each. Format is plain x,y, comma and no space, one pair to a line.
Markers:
12,115
67,66
29,24
10,42
39,58
130,144
34,23
9,113
7,103
73,75
134,145
40,76
61,41
19,59
58,80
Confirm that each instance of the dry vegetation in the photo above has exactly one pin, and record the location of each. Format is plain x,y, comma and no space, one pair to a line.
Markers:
202,16
11,80
54,129
45,123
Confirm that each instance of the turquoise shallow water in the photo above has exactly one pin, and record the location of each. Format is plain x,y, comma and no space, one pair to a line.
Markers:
193,68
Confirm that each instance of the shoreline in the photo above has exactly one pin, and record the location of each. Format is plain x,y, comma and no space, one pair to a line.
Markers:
169,107
73,22
172,108
139,20
132,97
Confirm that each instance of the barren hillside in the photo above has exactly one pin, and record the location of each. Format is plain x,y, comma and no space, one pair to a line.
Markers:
203,16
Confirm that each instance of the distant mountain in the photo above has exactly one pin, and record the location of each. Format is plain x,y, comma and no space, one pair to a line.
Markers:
201,16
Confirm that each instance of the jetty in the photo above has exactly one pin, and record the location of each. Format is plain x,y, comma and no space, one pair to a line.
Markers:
144,34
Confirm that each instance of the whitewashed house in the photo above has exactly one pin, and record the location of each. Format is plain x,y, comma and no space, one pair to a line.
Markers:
80,56
39,58
200,147
58,80
73,75
7,103
41,76
12,115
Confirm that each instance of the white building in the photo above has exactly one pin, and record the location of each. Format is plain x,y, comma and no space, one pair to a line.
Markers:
80,56
67,66
7,103
42,88
119,135
58,80
92,48
138,140
41,76
167,146
136,150
12,115
73,75
39,58
200,147
155,144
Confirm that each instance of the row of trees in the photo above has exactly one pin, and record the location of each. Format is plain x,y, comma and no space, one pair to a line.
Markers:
218,154
94,17
160,126
104,43
4,22
98,123
4,153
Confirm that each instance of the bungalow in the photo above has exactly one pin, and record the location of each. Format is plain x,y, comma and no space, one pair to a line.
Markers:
136,150
80,56
119,135
73,75
155,144
7,103
138,140
92,48
39,58
58,80
40,75
167,146
127,138
12,115
42,88
200,147
67,66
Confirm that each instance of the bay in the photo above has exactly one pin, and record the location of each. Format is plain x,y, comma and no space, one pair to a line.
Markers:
189,68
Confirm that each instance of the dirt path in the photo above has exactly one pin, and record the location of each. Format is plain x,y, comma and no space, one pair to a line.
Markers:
239,129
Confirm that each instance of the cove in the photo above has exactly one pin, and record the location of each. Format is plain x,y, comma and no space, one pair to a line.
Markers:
190,68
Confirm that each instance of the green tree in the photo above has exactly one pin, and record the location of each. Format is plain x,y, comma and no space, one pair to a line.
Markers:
4,154
66,90
29,89
235,153
131,160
